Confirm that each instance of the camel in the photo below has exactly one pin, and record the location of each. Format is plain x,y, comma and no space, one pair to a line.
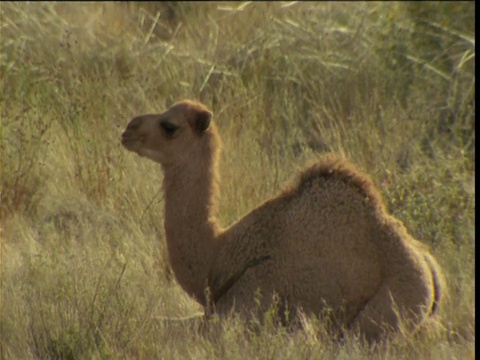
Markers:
325,243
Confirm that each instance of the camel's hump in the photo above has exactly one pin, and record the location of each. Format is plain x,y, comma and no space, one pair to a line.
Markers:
332,166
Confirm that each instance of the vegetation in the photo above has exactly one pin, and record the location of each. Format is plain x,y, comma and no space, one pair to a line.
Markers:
84,275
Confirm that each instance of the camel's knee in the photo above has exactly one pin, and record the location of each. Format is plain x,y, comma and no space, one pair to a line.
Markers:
377,318
399,305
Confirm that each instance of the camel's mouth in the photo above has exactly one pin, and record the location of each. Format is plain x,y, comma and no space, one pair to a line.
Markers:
131,143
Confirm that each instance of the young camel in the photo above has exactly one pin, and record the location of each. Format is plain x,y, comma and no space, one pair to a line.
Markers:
326,242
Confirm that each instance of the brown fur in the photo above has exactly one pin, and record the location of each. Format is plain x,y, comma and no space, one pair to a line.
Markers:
326,243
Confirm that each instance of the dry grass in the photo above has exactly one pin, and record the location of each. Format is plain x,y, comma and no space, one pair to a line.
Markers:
84,273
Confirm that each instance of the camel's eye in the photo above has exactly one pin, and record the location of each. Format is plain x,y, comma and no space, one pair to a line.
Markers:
168,128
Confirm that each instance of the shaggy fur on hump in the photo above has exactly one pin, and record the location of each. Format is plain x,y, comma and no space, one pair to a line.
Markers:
332,165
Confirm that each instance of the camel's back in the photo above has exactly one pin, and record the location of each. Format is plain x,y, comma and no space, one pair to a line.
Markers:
326,240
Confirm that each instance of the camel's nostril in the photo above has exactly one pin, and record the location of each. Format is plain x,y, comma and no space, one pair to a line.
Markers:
134,124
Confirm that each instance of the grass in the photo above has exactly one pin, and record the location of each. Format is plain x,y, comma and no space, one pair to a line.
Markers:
84,272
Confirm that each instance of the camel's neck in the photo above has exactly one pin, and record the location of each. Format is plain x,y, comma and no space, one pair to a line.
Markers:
190,225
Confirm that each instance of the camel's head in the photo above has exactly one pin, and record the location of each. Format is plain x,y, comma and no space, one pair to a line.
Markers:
172,137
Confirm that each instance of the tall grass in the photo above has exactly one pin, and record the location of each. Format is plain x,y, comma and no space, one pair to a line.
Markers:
84,272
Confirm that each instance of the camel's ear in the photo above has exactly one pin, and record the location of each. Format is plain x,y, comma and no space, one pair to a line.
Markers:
202,121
